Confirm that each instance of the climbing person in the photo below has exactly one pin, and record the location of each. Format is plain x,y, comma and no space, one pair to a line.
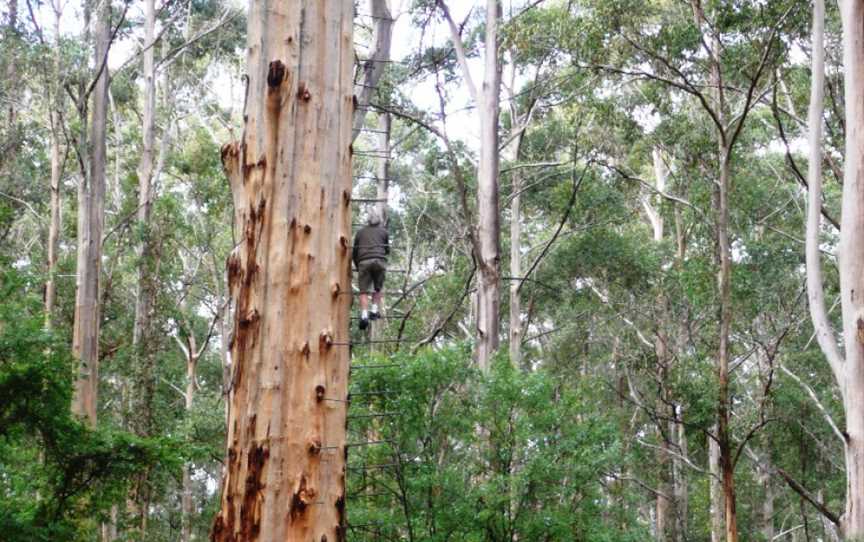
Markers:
371,247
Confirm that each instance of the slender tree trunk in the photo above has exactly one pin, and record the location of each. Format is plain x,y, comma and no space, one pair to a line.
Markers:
374,66
144,293
290,278
715,491
849,372
723,353
763,477
664,505
489,224
516,272
55,220
11,65
679,480
91,211
851,260
145,175
187,504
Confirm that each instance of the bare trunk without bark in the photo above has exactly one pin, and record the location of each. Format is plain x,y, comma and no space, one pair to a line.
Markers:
91,211
290,278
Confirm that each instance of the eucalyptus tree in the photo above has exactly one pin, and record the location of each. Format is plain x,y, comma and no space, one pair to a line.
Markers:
91,218
290,278
847,368
486,235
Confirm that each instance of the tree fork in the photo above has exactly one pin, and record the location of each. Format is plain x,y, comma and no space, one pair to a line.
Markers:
290,179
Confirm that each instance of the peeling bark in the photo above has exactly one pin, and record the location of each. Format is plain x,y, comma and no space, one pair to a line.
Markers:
290,178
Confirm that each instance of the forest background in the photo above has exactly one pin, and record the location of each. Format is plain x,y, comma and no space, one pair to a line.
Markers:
651,373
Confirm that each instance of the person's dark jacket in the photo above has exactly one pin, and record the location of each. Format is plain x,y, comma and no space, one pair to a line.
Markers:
371,243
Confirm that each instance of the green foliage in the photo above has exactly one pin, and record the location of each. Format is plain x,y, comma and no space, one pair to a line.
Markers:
478,458
58,476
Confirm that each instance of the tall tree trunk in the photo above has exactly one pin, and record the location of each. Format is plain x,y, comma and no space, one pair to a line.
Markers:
11,65
851,260
374,66
664,505
144,292
715,491
488,220
849,372
290,278
192,354
679,480
516,271
55,220
91,216
763,477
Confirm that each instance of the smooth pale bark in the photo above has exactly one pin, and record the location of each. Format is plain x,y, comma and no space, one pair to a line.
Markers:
11,65
144,292
488,219
516,272
763,477
374,66
55,220
91,217
849,372
664,505
680,492
715,492
192,354
486,236
290,278
851,264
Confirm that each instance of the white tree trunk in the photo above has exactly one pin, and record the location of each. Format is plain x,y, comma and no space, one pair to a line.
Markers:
374,66
290,278
715,491
488,219
91,211
516,272
55,223
851,260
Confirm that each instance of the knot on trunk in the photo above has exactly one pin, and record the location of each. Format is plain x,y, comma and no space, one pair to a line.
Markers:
276,74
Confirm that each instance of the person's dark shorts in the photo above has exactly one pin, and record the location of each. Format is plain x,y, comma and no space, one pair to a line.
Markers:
371,273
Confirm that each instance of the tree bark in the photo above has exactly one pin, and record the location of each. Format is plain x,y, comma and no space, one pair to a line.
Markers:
290,278
11,65
851,261
55,220
488,220
715,492
192,355
679,481
516,271
91,211
374,66
144,292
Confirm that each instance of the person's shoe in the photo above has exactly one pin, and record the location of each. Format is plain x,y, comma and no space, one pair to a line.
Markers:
374,314
364,322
